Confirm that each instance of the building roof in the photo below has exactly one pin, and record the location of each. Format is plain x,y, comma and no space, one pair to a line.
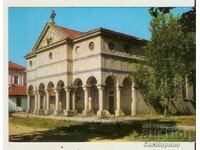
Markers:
74,34
69,32
16,90
13,66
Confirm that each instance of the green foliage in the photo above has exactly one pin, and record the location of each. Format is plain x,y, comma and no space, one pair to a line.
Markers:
155,11
169,58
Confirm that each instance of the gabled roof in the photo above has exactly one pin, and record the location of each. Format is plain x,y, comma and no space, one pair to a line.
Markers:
74,35
63,32
14,66
70,32
16,90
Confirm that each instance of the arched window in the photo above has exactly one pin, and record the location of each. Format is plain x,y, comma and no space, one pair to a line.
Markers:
77,50
30,63
50,55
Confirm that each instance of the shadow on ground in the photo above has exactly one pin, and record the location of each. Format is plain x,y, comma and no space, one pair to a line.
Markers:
87,131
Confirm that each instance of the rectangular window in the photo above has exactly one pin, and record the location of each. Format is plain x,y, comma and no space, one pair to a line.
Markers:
15,79
19,103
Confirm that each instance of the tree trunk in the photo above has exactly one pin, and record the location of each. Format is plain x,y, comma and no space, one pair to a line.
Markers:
194,86
165,112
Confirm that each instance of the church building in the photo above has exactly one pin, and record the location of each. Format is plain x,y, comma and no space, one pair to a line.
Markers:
71,72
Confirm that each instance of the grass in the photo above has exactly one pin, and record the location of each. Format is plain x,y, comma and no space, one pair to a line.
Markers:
70,131
41,123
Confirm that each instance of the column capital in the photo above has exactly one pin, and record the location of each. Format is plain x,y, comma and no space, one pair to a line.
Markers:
37,92
27,93
133,86
67,89
85,87
101,86
118,87
56,90
46,90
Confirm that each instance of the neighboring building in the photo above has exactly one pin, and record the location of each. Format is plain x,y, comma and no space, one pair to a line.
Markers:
71,72
17,88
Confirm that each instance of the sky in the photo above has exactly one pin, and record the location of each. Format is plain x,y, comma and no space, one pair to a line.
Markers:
26,24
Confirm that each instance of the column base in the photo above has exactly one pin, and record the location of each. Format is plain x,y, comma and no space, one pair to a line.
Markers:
68,112
103,114
119,113
55,113
35,111
74,112
133,113
46,112
85,112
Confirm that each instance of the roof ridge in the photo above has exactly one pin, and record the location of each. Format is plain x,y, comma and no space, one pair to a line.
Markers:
69,29
10,62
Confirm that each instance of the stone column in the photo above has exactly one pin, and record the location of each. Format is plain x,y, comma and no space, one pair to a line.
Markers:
36,102
67,110
74,101
101,90
186,88
90,104
47,102
118,111
56,102
39,105
85,111
101,113
28,102
44,102
133,102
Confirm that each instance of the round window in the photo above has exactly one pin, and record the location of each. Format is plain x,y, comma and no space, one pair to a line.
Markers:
91,45
50,55
127,48
30,63
111,46
77,50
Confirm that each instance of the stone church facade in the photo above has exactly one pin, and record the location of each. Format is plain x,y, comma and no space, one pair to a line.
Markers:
71,72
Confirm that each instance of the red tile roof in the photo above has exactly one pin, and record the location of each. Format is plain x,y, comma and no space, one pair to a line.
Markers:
13,66
17,90
69,32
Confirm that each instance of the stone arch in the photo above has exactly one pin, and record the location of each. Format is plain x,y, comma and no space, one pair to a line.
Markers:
50,88
62,95
110,93
42,94
126,95
91,80
60,84
93,97
31,89
79,95
50,85
32,97
78,82
113,78
41,87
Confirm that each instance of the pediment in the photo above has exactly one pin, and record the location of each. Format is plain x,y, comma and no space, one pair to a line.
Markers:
48,36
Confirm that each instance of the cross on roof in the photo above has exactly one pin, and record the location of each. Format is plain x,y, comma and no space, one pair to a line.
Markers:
53,14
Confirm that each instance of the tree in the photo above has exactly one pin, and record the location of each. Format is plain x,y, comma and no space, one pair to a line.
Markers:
164,61
155,11
187,23
188,26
